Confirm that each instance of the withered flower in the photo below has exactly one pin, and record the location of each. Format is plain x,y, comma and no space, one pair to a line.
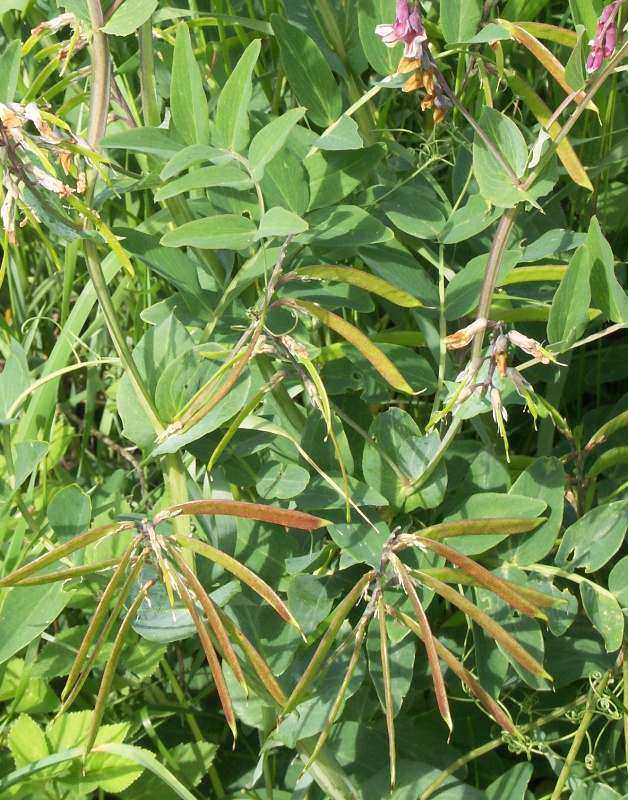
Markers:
462,337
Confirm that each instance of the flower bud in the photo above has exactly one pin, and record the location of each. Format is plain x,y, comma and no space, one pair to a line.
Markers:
499,412
519,381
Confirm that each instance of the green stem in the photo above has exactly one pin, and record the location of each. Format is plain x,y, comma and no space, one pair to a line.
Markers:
587,717
148,81
96,126
558,713
193,724
174,472
498,248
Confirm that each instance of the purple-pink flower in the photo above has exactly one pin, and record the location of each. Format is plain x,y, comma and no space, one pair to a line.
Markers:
605,39
408,28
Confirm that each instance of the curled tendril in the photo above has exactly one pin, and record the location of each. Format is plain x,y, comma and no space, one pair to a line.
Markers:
528,703
589,762
606,706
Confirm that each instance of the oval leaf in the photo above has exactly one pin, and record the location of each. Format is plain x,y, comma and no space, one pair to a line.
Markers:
228,231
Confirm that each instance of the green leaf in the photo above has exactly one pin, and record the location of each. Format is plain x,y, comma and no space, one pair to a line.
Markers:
511,785
156,619
468,220
490,505
204,178
279,221
173,265
342,135
269,141
130,16
189,157
618,581
387,468
26,741
69,512
569,314
308,73
9,70
153,141
459,19
187,98
595,538
463,290
545,480
417,212
232,110
607,292
227,231
14,378
344,226
491,32
496,184
334,175
35,607
285,183
393,263
281,481
574,69
192,761
605,613
370,14
309,601
147,760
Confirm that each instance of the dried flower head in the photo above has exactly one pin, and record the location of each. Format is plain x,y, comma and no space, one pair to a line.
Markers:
462,337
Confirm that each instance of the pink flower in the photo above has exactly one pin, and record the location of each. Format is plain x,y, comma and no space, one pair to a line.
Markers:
408,28
605,39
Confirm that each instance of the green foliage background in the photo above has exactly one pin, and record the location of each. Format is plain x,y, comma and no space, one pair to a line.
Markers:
241,288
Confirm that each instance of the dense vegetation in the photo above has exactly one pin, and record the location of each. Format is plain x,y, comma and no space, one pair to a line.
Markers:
313,400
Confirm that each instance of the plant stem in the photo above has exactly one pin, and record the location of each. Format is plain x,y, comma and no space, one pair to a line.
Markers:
96,126
594,694
495,257
148,81
558,713
474,124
